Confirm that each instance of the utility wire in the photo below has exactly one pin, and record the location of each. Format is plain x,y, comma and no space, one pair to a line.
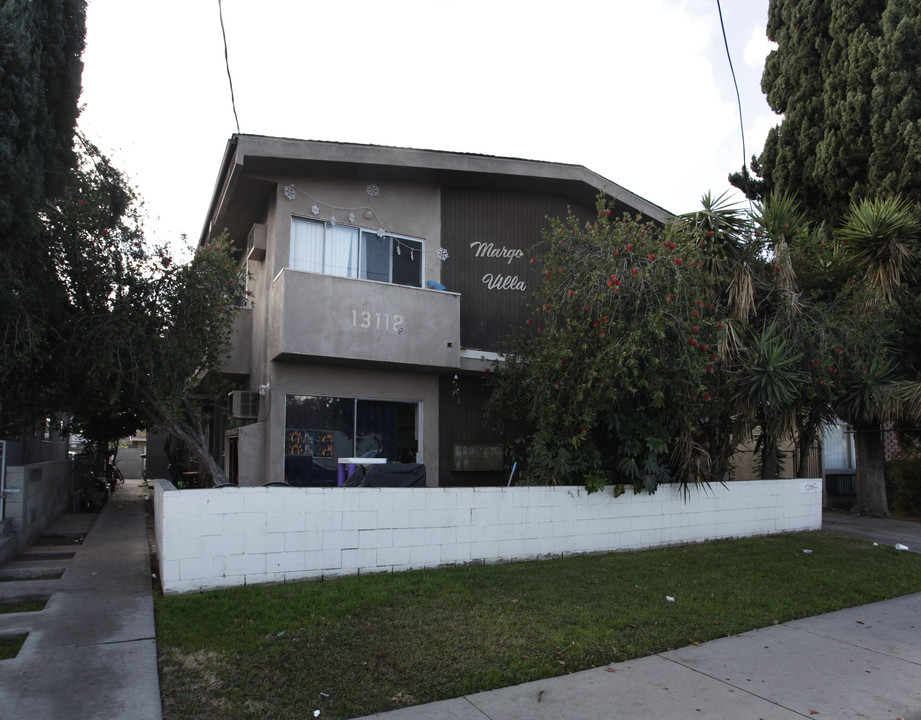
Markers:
738,100
233,102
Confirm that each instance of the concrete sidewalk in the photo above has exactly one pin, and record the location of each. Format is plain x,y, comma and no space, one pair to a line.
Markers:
91,653
863,662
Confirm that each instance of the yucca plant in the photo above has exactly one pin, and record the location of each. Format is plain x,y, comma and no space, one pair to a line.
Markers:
881,237
767,390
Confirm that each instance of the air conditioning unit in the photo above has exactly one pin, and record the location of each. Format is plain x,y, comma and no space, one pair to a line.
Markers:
255,242
243,405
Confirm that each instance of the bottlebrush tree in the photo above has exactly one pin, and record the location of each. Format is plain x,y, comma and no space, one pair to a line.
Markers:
614,373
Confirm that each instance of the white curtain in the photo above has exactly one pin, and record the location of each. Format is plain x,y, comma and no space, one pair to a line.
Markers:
341,251
306,245
838,448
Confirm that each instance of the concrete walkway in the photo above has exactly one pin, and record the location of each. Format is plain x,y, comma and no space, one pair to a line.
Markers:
91,653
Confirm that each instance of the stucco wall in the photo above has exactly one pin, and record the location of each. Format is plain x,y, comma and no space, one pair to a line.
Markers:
37,494
215,538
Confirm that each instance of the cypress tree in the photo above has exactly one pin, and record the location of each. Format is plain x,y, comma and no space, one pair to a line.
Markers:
845,76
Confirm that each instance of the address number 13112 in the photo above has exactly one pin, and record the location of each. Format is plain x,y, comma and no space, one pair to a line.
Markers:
377,321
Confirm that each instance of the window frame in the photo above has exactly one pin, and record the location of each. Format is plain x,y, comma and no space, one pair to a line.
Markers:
398,244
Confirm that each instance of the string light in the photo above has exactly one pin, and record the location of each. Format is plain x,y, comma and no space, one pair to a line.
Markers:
368,212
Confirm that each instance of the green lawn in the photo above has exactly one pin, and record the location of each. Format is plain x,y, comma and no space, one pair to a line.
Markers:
356,646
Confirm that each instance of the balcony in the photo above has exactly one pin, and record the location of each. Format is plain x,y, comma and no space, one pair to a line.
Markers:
314,317
239,361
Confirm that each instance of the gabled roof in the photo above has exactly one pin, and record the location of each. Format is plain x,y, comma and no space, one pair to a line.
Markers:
251,162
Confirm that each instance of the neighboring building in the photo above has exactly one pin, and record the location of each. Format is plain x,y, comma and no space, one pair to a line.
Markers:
383,283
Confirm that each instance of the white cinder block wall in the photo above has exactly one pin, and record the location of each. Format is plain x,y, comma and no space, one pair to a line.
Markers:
215,538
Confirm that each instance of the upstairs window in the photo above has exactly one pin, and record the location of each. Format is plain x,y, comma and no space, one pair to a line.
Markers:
344,251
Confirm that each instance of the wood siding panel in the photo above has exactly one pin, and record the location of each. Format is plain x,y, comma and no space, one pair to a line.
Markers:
511,222
462,421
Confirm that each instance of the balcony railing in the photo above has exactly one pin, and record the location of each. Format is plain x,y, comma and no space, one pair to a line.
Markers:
321,316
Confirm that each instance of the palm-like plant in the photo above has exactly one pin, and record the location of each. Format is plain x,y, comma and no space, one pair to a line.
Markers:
880,236
767,390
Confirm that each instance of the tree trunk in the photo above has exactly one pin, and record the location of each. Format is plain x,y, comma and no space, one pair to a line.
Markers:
870,456
768,459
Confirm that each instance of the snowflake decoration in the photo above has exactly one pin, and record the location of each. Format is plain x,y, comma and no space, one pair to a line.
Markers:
352,218
373,190
315,210
290,192
381,232
442,254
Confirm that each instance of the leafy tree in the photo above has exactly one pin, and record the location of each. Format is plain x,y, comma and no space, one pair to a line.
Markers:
41,42
615,368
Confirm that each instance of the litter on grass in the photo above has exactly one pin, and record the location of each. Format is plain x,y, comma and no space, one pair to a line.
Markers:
670,598
807,551
899,546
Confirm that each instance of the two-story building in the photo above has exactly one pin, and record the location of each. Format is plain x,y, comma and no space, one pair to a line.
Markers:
383,283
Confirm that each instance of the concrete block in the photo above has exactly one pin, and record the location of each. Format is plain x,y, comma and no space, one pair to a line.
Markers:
303,541
355,559
484,517
244,564
392,556
220,545
359,520
201,568
393,519
323,520
245,523
322,560
425,556
438,536
285,562
484,550
456,553
410,499
374,499
340,540
285,521
374,539
439,498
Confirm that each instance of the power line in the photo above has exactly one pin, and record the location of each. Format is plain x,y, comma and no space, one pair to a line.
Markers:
233,102
738,100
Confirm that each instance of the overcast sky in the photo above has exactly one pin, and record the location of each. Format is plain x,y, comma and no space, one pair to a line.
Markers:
639,92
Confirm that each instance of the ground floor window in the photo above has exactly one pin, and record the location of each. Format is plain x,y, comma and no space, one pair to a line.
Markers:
320,429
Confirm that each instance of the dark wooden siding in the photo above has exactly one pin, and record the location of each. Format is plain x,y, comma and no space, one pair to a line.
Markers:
512,221
462,421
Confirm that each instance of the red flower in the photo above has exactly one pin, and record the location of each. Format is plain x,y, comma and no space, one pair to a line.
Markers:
629,246
695,329
678,261
634,271
652,256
